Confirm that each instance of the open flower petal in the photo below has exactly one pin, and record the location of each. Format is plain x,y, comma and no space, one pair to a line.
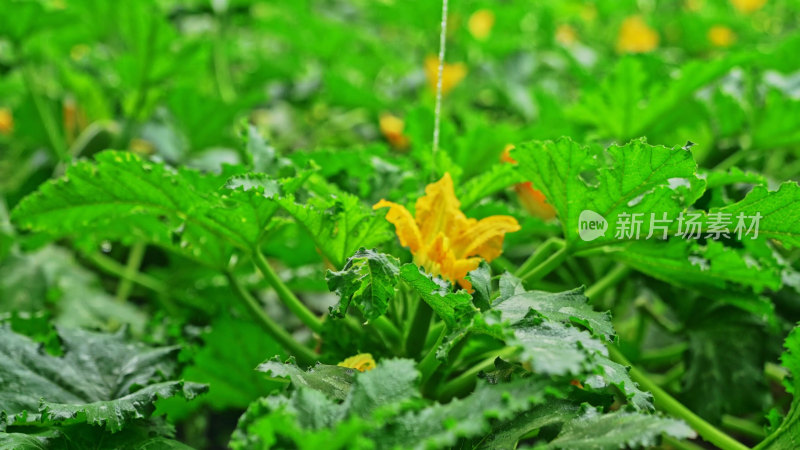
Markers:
442,239
438,211
485,237
403,221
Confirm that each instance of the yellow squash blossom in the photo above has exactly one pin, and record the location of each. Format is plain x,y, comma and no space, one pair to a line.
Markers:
721,36
635,36
442,239
392,129
748,6
362,362
480,24
566,35
452,74
531,198
6,121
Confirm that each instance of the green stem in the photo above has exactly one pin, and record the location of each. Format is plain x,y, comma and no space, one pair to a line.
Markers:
287,296
664,355
464,381
132,267
743,426
681,445
430,363
113,267
539,255
670,405
608,281
775,372
303,354
221,65
418,331
48,122
546,266
387,329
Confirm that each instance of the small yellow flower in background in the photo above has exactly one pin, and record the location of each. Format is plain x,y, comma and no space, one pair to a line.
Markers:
531,198
77,52
721,36
442,239
480,24
693,5
635,36
362,362
142,147
589,13
392,129
6,121
748,6
566,35
452,74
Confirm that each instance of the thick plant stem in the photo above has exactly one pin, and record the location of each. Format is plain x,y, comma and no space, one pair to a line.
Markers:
387,329
134,262
287,296
743,426
608,281
670,405
48,122
546,266
418,331
461,383
112,267
539,255
430,363
303,354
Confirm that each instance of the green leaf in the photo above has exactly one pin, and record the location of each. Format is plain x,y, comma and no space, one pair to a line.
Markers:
333,381
141,436
610,373
307,420
338,225
509,433
481,279
367,281
712,266
498,177
233,382
51,277
123,197
567,307
634,178
441,425
450,307
100,379
727,348
780,216
616,430
787,436
392,381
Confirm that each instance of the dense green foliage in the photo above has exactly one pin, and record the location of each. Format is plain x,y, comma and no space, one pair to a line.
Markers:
194,250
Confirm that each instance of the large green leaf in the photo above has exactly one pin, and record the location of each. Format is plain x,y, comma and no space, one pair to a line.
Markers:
787,436
451,307
367,281
630,179
51,277
232,381
100,379
339,224
620,429
123,197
